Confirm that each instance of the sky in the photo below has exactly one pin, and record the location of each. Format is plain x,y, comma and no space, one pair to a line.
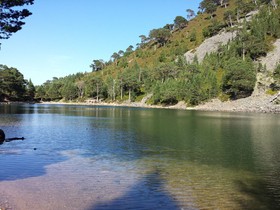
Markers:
63,37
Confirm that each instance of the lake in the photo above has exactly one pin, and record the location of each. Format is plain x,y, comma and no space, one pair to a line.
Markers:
87,157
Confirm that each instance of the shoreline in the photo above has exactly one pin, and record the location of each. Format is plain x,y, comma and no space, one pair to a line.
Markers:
257,104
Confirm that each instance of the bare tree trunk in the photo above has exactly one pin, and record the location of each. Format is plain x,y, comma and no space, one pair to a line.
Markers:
237,16
129,95
114,94
230,20
243,52
139,76
97,92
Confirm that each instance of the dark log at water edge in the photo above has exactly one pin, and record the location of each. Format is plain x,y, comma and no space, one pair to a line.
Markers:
4,139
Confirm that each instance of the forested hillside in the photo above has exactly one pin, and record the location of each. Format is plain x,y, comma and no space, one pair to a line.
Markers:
157,66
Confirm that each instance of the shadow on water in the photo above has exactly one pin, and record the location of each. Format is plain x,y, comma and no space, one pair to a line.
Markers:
16,166
148,193
258,195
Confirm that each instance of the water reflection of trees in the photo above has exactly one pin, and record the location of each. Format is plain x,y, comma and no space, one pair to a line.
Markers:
213,140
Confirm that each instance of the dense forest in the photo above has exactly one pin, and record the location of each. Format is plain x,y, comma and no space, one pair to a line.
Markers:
13,86
157,66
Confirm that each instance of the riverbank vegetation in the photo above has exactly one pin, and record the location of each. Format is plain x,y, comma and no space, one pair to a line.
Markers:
157,66
13,86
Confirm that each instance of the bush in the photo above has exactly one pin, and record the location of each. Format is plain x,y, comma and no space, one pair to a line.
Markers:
213,29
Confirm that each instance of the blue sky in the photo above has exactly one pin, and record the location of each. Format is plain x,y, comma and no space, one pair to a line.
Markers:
62,37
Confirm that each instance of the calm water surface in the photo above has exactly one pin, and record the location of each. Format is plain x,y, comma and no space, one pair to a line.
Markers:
85,157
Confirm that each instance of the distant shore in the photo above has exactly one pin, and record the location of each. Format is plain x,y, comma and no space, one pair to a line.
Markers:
261,104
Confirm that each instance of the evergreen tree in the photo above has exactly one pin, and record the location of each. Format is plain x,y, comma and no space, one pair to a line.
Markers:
239,79
12,84
30,90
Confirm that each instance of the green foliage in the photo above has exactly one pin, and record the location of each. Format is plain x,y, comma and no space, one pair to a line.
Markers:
166,93
12,84
203,86
276,74
69,91
160,35
208,6
97,65
243,7
158,66
193,36
162,57
190,14
229,17
271,92
95,87
30,90
53,91
213,29
40,93
10,18
224,97
130,80
275,86
180,22
255,42
239,79
165,71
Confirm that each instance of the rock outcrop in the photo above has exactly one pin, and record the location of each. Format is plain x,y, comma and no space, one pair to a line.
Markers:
269,62
272,59
210,45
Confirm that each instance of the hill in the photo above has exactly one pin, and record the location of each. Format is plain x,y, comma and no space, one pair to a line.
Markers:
224,52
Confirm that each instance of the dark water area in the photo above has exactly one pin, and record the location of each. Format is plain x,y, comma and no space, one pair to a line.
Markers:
87,157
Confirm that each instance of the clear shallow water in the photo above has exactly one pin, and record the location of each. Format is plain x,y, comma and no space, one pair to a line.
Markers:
131,158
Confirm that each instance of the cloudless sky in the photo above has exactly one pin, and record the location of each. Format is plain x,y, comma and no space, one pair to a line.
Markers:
62,37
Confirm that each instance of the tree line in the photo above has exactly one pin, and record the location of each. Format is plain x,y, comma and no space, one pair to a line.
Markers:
158,66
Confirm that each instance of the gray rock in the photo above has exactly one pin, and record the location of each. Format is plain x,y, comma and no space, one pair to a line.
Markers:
210,45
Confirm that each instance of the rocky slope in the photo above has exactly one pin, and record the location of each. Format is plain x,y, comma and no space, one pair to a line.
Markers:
251,104
270,62
209,45
259,101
